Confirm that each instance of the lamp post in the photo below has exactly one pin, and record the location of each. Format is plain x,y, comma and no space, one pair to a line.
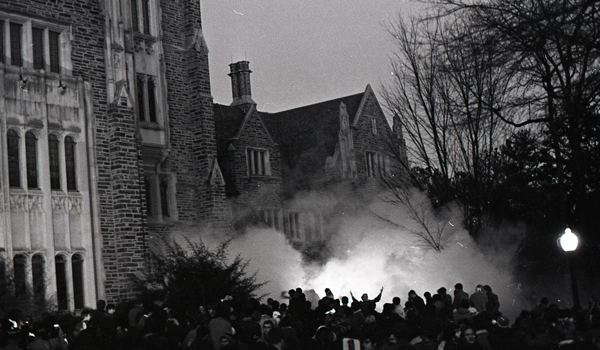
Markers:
568,242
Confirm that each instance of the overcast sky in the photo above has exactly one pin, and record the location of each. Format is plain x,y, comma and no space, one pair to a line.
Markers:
300,51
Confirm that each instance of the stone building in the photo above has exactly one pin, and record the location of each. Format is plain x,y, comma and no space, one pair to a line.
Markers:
278,167
106,142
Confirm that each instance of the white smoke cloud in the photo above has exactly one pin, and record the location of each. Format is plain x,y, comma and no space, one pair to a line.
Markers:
369,253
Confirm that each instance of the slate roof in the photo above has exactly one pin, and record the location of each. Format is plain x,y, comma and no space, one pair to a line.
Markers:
228,121
307,135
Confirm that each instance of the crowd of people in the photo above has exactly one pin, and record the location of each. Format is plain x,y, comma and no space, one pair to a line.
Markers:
438,322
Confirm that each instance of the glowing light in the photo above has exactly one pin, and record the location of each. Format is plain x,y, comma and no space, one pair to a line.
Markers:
568,241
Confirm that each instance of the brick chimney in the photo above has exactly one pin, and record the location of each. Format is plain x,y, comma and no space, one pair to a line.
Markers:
240,83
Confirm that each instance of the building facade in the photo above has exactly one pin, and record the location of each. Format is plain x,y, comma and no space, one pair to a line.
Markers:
110,142
106,142
282,169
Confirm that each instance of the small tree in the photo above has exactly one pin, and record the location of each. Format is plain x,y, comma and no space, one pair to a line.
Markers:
188,278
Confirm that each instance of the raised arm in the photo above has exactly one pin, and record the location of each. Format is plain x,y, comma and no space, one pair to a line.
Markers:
378,298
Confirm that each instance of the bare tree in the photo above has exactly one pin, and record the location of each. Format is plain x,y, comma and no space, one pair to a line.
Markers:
445,84
552,50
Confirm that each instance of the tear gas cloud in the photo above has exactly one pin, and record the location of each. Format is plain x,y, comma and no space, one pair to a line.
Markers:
376,246
369,253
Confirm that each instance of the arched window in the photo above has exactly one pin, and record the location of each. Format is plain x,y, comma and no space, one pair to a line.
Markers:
54,162
19,264
70,162
61,282
31,157
77,265
38,270
14,171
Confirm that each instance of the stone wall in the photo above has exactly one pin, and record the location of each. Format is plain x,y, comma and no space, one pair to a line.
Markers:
125,246
256,191
191,119
365,140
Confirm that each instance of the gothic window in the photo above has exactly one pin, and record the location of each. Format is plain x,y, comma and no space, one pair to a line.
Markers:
39,46
19,266
151,94
270,217
31,158
77,267
148,186
61,282
54,46
146,16
146,98
37,35
14,171
309,226
135,21
159,195
376,166
70,163
1,42
33,43
54,162
258,161
140,16
292,226
16,58
2,270
38,268
374,126
164,197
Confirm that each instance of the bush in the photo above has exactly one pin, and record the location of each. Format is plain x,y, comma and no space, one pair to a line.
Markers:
188,278
24,301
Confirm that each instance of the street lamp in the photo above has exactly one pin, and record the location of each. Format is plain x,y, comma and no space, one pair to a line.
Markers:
568,242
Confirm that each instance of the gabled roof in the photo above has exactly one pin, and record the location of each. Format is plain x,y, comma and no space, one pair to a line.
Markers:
308,135
228,121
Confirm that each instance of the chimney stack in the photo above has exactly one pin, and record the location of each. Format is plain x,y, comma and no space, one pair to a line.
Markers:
240,83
